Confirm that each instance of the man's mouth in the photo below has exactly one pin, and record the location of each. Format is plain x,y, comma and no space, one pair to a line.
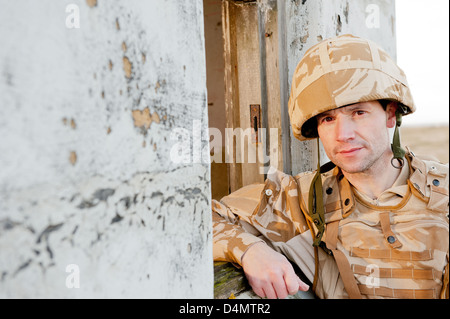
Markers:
350,151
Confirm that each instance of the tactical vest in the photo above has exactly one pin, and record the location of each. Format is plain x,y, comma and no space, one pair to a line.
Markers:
396,251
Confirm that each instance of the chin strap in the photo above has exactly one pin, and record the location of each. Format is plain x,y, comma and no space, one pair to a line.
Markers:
399,152
315,201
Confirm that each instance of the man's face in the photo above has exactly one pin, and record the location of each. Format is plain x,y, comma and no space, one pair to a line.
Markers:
356,137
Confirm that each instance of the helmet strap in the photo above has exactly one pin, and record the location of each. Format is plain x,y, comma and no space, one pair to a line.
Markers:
315,202
399,152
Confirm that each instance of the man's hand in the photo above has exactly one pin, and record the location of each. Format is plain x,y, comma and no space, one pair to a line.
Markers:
269,273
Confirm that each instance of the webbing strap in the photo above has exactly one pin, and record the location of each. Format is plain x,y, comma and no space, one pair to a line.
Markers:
316,271
402,273
389,235
315,202
345,270
398,293
445,283
392,254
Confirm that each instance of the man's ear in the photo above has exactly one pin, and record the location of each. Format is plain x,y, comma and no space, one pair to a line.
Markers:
390,114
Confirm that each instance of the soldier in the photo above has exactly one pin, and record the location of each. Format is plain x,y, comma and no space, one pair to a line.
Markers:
372,223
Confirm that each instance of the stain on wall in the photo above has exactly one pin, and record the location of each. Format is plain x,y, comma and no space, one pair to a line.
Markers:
143,119
127,67
91,3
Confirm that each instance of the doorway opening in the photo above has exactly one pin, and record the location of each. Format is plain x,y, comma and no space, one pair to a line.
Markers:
243,86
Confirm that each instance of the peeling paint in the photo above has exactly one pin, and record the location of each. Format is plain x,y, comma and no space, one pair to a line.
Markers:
91,3
103,194
346,10
116,219
127,67
73,157
304,38
46,232
100,195
155,118
21,267
338,25
72,124
143,119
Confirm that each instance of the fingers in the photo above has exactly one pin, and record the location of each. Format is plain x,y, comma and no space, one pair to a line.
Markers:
280,288
292,283
271,288
302,286
259,291
265,289
284,287
270,292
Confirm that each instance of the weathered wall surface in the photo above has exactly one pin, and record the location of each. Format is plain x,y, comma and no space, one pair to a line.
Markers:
89,195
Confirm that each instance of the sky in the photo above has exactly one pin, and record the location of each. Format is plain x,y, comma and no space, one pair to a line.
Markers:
423,53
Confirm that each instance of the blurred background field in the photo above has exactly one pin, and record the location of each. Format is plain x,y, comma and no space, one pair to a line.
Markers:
427,140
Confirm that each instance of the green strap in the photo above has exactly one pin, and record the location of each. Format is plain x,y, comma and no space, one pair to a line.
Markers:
399,152
315,202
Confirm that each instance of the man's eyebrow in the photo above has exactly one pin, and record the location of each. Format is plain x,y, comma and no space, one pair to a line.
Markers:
347,108
358,106
326,113
351,108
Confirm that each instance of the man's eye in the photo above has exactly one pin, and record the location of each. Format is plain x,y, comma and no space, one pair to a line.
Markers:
360,112
327,119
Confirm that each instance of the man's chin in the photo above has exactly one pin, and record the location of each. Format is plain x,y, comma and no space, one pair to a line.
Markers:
351,166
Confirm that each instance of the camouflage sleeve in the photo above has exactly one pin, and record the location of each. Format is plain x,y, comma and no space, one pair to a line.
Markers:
231,235
268,212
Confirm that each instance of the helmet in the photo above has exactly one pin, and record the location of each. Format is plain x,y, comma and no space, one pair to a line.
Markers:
342,71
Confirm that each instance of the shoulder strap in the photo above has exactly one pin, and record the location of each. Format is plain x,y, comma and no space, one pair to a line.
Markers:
315,200
345,270
445,283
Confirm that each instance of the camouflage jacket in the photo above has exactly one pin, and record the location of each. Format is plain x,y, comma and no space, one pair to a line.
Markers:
393,247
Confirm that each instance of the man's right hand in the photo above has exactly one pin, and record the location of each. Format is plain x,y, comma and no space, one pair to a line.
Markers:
269,273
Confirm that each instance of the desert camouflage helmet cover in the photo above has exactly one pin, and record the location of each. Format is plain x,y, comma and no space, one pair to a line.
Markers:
342,71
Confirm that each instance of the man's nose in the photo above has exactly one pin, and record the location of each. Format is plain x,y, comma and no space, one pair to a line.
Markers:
344,129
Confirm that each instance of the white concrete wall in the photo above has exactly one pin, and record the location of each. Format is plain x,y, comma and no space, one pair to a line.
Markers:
86,177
